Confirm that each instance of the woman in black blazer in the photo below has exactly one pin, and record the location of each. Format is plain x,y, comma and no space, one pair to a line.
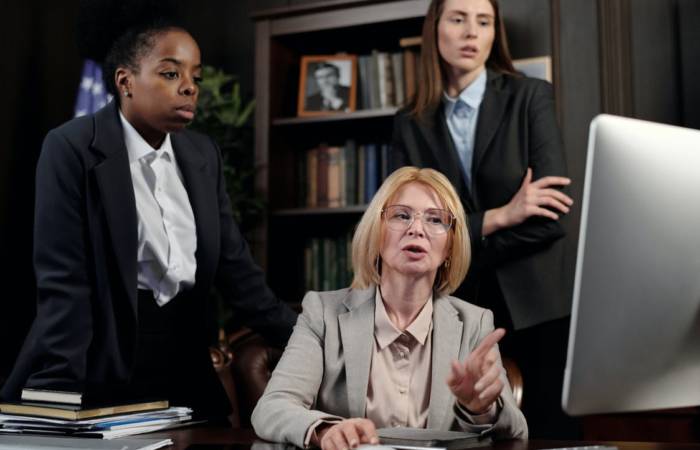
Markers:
494,134
128,246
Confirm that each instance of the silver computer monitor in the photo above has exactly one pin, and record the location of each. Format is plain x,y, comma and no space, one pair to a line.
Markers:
634,341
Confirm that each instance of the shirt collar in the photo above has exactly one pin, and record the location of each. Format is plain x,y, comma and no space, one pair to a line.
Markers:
137,147
472,95
386,332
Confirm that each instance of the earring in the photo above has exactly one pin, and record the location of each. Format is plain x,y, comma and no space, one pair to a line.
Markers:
448,261
126,94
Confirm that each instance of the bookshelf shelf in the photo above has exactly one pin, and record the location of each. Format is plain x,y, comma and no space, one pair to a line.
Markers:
347,152
354,115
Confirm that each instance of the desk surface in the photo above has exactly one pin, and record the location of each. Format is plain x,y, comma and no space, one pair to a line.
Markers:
242,439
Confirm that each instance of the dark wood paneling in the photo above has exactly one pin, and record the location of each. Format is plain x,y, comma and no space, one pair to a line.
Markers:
689,41
654,58
528,24
580,91
615,57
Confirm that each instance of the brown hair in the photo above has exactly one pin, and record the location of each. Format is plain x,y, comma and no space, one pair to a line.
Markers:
366,243
432,76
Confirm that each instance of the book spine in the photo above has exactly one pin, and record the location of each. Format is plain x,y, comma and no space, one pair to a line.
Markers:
363,67
326,250
361,172
343,177
308,267
315,264
398,72
389,80
341,247
322,177
371,172
351,171
384,161
334,177
381,80
374,80
301,181
311,177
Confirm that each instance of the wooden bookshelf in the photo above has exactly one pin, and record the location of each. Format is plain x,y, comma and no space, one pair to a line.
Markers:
282,37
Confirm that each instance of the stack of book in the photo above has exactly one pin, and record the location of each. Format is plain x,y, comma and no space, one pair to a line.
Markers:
61,413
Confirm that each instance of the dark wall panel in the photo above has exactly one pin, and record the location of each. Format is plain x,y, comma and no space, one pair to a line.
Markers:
655,61
580,90
689,38
528,24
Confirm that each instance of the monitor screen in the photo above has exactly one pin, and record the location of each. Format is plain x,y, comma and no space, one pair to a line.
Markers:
634,341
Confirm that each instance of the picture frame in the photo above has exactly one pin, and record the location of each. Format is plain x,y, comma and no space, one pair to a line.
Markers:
327,85
539,67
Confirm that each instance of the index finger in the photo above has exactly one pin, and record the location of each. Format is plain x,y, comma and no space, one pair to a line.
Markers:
489,341
552,181
366,427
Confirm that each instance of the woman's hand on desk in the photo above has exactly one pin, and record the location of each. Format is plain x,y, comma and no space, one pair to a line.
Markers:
476,382
530,200
348,434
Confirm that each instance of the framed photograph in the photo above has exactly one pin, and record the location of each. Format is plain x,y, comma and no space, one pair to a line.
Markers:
327,85
540,67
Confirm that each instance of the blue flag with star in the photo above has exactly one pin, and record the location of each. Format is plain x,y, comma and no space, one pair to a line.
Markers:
92,95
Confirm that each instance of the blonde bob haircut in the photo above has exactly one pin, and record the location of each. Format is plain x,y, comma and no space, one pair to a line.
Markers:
366,243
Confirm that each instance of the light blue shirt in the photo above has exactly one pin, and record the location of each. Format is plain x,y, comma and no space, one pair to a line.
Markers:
461,114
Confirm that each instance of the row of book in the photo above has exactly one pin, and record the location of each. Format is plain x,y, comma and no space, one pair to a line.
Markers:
387,79
328,263
338,176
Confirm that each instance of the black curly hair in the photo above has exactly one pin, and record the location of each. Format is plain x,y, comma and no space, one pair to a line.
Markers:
118,33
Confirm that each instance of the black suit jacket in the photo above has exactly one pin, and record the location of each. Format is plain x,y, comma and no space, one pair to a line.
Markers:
85,261
516,129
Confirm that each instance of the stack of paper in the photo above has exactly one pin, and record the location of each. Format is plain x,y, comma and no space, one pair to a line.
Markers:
65,443
101,428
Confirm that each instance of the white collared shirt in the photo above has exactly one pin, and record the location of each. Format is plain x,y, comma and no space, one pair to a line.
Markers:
462,114
167,234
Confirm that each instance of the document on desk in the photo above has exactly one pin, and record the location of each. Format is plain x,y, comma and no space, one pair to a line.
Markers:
420,438
64,443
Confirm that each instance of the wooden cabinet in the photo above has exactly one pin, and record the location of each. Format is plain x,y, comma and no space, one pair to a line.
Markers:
282,37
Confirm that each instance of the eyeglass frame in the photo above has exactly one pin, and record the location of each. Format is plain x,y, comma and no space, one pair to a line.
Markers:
422,219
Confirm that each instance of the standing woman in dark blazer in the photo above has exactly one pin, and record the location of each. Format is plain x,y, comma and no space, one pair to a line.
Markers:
133,228
493,133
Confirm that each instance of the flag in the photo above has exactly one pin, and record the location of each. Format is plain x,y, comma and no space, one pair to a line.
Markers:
92,95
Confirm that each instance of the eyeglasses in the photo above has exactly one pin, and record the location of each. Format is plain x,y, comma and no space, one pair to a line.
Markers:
435,221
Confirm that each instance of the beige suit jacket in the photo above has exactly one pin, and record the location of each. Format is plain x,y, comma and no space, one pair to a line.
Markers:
324,372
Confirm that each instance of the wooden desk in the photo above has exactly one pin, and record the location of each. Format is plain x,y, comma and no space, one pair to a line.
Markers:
243,439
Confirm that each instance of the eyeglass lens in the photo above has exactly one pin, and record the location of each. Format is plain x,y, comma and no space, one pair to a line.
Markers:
435,221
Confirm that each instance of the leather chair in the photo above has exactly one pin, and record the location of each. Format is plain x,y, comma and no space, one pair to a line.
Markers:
250,364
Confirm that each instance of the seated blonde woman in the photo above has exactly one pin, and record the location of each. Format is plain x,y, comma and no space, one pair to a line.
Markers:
394,349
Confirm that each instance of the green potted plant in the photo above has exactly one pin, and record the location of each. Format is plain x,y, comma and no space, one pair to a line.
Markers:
223,115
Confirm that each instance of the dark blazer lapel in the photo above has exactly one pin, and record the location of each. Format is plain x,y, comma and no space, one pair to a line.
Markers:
491,112
202,192
447,338
439,139
356,333
116,191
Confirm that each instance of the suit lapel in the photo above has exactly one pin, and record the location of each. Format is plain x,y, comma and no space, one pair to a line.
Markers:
357,332
201,190
437,136
117,194
491,112
447,338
